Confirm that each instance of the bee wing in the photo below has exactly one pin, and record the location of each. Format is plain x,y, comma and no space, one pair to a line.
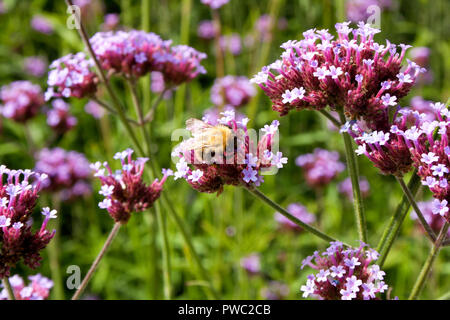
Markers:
197,126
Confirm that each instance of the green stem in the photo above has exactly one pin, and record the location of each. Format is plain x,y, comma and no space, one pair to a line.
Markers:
392,229
423,276
353,172
428,231
159,216
54,253
328,115
9,290
258,194
123,119
97,260
105,80
202,274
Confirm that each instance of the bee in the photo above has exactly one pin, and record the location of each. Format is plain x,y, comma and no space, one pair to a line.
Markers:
209,142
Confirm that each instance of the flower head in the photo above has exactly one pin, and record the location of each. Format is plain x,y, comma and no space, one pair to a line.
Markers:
20,100
344,274
233,91
229,156
38,288
124,190
59,117
18,193
71,76
68,172
298,211
320,167
351,71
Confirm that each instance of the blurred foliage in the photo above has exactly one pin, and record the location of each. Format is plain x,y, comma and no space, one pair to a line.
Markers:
132,268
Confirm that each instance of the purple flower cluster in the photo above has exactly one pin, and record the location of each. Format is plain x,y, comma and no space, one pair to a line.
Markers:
344,274
238,164
251,263
35,66
59,117
388,150
214,4
207,30
231,43
18,198
71,76
129,53
430,151
41,24
358,10
435,221
320,167
135,53
232,90
180,64
297,210
21,100
124,190
68,172
345,187
38,288
351,72
423,106
94,109
213,115
111,21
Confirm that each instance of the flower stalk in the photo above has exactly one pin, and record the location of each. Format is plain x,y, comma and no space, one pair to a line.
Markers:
97,260
8,288
258,194
424,273
391,231
354,176
428,231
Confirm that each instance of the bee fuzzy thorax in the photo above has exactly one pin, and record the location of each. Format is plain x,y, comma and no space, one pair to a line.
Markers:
225,154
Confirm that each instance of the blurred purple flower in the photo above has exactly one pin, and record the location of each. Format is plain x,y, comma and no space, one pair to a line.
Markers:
357,9
251,263
41,24
59,117
212,115
35,66
232,90
345,187
158,84
206,30
68,172
111,22
94,109
320,167
214,4
298,211
231,43
435,221
21,100
424,107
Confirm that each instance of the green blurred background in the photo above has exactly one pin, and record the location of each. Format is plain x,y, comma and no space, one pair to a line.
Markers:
233,225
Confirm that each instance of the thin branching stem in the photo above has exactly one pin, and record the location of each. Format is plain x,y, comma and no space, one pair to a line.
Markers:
9,290
424,273
354,177
258,194
97,260
393,228
428,231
